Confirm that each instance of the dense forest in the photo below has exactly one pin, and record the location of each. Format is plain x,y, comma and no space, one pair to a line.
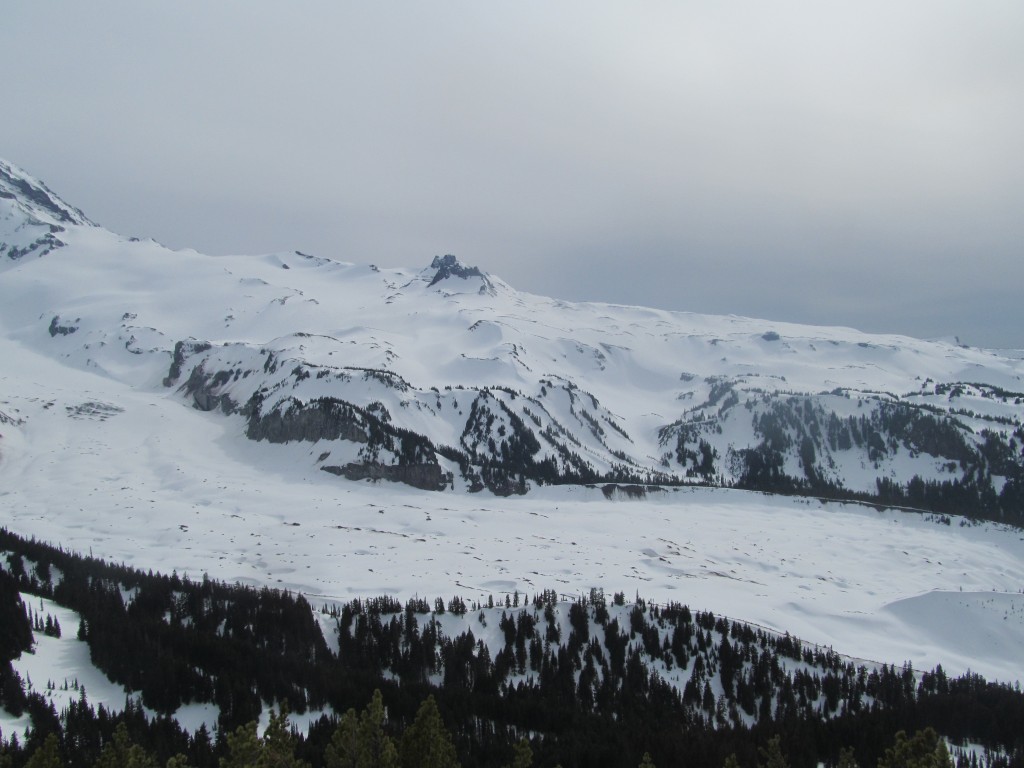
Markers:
519,680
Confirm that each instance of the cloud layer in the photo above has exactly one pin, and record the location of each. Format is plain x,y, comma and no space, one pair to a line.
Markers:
841,163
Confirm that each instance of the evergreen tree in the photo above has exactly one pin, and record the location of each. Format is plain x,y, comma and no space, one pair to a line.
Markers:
275,750
343,750
522,755
648,763
46,756
360,741
924,750
15,626
278,745
376,748
243,747
772,754
427,743
120,752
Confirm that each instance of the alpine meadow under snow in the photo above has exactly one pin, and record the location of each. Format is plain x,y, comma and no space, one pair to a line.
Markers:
345,431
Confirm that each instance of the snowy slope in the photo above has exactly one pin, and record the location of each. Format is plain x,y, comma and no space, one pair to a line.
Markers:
175,410
496,381
32,217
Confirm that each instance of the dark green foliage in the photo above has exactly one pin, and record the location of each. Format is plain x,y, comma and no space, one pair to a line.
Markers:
924,750
15,629
522,755
120,752
698,461
427,743
48,755
800,425
15,638
181,641
274,749
771,755
586,699
504,454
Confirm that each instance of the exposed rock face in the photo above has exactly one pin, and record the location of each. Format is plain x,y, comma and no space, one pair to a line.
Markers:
57,327
321,419
428,477
38,215
39,247
182,350
449,266
325,419
616,491
203,388
36,198
507,485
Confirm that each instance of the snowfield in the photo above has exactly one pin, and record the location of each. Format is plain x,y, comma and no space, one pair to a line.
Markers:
137,477
99,456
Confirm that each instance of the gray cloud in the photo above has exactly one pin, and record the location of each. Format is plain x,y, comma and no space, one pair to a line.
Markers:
852,164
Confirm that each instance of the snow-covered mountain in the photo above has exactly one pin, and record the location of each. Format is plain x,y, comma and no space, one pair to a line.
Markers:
33,217
274,420
446,377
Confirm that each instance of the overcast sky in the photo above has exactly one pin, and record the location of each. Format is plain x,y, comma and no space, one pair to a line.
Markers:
851,163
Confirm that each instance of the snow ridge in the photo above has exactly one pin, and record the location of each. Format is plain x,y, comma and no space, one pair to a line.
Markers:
36,197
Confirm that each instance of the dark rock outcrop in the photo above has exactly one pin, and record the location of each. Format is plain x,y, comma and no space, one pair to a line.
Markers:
38,247
428,477
449,266
204,388
15,184
326,419
59,328
181,351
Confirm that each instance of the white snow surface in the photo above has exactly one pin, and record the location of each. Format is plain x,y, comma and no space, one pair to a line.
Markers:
98,456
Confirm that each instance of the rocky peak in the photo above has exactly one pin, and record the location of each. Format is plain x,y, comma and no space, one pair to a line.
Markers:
31,216
449,266
36,199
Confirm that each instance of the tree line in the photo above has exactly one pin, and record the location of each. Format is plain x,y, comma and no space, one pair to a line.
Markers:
585,682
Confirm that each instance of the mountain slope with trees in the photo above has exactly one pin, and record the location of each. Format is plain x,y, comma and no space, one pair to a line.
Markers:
584,682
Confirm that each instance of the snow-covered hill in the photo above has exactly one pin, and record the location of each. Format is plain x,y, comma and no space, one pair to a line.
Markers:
446,377
178,411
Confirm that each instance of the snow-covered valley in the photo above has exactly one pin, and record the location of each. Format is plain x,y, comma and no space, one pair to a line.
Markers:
115,482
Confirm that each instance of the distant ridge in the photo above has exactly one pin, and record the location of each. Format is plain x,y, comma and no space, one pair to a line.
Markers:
448,379
36,198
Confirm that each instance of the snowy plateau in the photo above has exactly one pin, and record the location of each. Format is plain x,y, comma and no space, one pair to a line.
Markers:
341,430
